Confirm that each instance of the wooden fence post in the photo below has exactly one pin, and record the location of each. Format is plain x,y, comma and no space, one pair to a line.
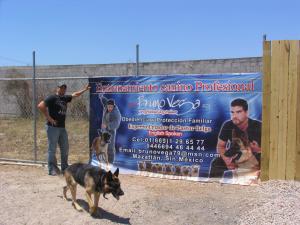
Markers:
281,111
265,157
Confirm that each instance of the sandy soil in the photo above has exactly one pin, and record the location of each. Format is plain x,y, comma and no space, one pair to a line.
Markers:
29,196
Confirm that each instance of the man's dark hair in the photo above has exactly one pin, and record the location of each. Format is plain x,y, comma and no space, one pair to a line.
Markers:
240,102
110,102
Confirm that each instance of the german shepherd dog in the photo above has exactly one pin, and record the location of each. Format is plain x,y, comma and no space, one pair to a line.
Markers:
100,146
160,168
186,171
195,171
177,170
154,168
148,165
94,180
241,151
169,169
141,166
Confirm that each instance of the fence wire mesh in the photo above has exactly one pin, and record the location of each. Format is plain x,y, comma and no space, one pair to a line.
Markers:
17,118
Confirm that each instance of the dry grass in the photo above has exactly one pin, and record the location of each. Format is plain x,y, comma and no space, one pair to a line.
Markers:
16,139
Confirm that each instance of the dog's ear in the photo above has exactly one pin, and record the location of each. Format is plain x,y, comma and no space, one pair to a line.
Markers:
116,173
99,132
245,139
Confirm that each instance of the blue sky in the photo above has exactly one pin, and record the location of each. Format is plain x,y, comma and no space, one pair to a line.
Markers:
64,32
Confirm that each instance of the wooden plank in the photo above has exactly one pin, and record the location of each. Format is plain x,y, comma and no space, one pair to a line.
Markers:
282,109
292,111
265,144
274,117
297,176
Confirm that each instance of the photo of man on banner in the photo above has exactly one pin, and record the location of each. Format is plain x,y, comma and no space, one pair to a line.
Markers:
111,120
239,142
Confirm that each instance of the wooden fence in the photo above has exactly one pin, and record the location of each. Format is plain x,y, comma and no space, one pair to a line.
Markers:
281,110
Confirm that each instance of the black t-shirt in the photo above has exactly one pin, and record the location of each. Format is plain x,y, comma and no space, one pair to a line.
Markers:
253,131
57,108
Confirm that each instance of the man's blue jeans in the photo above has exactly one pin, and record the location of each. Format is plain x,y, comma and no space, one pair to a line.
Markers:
57,135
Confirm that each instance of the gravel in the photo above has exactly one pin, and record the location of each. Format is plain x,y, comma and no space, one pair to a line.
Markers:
29,196
280,204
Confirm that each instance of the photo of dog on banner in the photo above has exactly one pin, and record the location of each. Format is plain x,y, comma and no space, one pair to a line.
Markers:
103,146
238,144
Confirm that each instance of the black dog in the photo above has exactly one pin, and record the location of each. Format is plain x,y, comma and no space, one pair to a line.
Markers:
94,180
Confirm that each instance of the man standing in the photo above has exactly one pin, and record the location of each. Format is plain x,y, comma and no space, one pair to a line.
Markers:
54,107
241,124
111,120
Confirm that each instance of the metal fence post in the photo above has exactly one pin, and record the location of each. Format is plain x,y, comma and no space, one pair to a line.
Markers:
137,60
34,109
264,37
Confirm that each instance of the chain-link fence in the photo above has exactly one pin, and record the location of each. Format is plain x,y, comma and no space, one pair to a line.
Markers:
18,119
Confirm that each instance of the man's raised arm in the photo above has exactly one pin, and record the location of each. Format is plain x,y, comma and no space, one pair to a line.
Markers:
78,93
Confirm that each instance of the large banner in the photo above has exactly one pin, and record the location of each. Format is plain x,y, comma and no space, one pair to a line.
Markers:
194,127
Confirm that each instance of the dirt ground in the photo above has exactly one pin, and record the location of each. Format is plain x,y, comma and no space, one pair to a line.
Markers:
29,196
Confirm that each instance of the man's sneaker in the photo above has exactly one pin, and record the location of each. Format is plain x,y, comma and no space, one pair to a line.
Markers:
57,170
52,173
